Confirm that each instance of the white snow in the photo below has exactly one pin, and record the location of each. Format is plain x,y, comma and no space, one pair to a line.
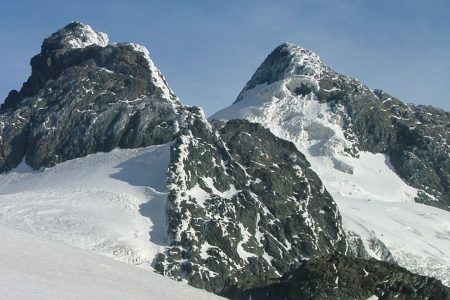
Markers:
417,235
244,254
34,268
373,200
227,194
111,203
199,195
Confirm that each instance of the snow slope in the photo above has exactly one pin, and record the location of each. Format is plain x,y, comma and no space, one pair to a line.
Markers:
373,200
35,268
111,203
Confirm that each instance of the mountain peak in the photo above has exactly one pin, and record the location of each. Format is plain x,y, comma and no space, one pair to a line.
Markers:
85,96
73,36
300,61
287,60
294,49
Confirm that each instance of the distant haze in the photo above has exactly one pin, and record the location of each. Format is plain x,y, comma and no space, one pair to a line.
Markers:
208,50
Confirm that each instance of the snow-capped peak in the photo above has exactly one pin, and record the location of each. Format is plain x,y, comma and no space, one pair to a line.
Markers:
75,35
302,100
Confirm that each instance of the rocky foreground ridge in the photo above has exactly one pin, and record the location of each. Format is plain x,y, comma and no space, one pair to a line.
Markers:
337,277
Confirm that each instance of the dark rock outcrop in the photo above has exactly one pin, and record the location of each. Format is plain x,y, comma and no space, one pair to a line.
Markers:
339,277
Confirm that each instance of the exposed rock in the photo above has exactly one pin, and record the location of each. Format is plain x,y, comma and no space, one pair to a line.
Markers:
370,249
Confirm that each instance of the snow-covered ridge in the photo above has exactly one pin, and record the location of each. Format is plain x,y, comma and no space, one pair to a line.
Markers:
110,203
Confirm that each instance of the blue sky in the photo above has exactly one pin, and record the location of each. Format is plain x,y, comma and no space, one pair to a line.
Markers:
208,50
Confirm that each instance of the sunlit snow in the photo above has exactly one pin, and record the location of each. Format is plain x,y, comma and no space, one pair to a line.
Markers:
36,268
111,203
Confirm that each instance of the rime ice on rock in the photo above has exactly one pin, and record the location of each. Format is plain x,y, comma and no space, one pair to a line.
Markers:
76,35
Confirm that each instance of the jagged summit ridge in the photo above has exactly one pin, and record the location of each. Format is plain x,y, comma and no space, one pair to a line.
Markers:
73,36
78,44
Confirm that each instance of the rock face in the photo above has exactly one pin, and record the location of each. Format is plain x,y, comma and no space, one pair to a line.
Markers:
337,277
85,96
245,207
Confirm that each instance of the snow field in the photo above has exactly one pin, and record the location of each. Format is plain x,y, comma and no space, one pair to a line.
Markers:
33,268
110,203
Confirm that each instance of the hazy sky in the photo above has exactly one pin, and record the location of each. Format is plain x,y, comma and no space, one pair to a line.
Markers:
208,50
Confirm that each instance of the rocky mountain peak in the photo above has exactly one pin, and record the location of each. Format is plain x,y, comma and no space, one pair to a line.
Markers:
365,144
73,36
78,45
85,96
245,207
